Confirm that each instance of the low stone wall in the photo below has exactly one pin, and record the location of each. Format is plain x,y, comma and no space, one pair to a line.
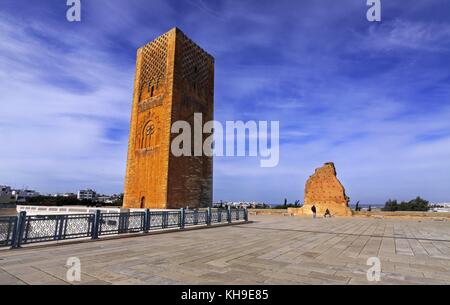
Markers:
336,210
402,214
278,212
374,214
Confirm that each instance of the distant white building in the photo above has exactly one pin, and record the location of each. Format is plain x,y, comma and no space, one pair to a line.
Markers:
87,195
241,204
65,195
443,204
6,195
443,207
104,198
21,196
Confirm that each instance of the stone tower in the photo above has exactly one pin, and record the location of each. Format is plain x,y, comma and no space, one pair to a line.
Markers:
174,80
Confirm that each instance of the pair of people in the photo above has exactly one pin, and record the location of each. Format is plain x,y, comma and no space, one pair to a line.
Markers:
314,211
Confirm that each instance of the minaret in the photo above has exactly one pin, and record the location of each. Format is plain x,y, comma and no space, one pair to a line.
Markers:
174,80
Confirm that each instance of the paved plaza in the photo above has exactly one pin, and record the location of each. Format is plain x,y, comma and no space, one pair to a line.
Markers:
271,250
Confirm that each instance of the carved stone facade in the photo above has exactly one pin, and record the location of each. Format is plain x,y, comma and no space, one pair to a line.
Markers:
174,80
324,191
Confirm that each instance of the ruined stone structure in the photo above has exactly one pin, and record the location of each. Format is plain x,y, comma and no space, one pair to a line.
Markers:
324,191
174,80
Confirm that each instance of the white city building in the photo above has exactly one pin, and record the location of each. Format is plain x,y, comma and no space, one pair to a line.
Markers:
87,195
443,207
65,195
6,195
21,196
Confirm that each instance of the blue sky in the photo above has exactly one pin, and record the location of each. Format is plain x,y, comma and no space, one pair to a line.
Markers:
372,97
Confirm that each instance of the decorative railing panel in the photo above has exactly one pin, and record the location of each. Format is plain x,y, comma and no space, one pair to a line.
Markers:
23,229
219,216
42,228
77,226
156,220
120,223
194,218
238,214
109,224
173,219
136,222
7,229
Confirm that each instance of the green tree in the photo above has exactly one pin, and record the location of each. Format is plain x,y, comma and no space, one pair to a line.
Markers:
53,201
416,205
391,206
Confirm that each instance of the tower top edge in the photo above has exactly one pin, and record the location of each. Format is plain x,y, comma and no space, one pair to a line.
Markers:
178,31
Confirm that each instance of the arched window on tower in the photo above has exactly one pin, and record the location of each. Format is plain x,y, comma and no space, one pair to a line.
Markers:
152,91
148,134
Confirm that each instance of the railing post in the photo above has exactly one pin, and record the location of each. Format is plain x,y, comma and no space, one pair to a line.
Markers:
219,215
164,219
19,229
246,214
182,218
96,224
61,223
195,217
124,219
13,228
147,221
209,216
229,214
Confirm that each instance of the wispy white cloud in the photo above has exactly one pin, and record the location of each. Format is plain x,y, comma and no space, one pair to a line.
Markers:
402,35
55,138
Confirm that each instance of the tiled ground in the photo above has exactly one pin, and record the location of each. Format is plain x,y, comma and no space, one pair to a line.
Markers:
272,250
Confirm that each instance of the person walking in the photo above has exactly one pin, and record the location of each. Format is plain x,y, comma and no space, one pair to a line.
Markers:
314,211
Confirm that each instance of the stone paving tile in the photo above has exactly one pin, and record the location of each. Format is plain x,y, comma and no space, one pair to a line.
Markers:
271,250
38,278
9,279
